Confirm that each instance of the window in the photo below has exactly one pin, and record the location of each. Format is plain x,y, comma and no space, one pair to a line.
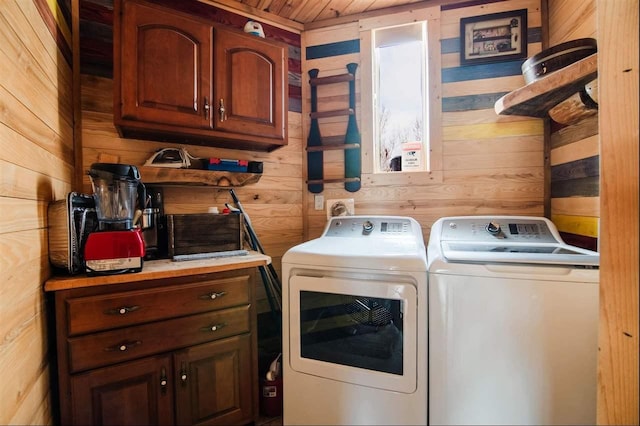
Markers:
399,97
400,92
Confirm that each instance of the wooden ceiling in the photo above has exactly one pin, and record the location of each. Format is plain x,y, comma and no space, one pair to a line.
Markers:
310,11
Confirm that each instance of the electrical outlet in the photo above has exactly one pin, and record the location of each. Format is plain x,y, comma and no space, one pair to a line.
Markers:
318,202
340,207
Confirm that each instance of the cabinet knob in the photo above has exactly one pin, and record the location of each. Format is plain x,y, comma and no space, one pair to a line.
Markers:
122,310
123,346
213,328
213,295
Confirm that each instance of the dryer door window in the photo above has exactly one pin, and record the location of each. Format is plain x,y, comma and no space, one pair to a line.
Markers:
361,332
358,331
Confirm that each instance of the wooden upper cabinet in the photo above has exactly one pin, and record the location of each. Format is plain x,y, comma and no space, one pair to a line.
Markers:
178,77
165,68
249,85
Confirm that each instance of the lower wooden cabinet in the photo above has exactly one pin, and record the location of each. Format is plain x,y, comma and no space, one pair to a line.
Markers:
213,381
147,353
133,393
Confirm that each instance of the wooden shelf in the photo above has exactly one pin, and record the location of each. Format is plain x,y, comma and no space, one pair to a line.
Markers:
337,180
333,147
318,81
538,97
335,113
171,176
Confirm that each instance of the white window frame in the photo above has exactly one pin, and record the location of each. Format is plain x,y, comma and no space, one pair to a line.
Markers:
434,96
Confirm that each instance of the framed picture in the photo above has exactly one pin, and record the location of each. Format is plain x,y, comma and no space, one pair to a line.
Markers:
493,38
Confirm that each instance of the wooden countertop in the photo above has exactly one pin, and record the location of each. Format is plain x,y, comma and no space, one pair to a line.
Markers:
164,268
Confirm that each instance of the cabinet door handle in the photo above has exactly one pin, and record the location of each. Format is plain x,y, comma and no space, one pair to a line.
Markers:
122,310
206,107
222,110
123,346
163,381
214,328
183,374
213,295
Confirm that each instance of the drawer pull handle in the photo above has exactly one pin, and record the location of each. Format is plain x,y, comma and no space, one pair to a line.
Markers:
121,310
121,347
213,295
215,327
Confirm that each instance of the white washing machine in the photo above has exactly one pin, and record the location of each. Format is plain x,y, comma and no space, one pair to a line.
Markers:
355,324
513,323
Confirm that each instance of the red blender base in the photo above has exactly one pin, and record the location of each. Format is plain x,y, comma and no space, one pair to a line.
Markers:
112,252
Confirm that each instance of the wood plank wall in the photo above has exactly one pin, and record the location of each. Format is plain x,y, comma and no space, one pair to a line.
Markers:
36,167
574,149
491,164
274,204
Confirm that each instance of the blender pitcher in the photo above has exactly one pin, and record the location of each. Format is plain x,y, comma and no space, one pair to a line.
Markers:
116,190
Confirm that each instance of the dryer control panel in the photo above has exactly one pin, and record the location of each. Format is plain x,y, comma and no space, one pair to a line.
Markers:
368,226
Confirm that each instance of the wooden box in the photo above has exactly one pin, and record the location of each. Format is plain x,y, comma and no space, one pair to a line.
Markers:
203,233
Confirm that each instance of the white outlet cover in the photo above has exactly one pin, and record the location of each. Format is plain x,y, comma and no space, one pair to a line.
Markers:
318,201
340,207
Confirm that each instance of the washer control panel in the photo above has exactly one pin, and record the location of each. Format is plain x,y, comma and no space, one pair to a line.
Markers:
356,226
492,229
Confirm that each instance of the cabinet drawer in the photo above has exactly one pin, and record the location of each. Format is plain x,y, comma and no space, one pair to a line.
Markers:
114,346
96,313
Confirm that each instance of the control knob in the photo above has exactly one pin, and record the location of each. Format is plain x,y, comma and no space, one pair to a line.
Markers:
367,227
493,228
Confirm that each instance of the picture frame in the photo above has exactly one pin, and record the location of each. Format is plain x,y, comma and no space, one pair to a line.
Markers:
495,37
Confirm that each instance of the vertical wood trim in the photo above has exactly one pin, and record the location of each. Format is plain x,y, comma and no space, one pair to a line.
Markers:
77,107
618,121
544,8
544,23
436,134
304,124
547,168
366,97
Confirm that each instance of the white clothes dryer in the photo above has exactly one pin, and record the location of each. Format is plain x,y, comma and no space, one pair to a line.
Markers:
355,324
513,323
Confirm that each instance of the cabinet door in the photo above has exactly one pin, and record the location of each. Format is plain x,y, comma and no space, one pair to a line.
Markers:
133,393
165,67
250,75
214,383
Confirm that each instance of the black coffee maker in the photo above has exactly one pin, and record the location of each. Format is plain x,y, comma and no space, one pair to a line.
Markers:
154,224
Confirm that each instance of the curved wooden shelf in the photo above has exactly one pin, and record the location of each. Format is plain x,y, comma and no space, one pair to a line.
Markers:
538,97
170,176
